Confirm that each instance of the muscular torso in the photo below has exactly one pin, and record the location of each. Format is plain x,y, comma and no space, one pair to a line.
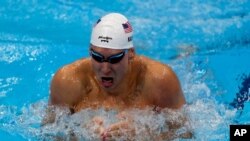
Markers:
131,96
81,89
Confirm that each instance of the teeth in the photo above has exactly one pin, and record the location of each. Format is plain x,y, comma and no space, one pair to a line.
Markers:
107,81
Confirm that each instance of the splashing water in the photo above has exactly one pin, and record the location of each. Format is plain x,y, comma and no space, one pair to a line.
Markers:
206,119
31,51
82,125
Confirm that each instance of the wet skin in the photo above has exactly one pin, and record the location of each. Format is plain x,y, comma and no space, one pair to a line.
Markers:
134,82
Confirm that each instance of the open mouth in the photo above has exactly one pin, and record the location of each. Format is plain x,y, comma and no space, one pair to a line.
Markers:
107,81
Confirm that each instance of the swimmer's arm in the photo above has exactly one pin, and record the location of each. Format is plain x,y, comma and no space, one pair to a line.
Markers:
66,88
126,128
64,92
171,96
167,92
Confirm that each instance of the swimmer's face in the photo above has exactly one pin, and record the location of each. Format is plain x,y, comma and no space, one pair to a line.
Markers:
109,65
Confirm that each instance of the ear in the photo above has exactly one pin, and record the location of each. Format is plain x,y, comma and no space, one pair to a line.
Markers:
131,53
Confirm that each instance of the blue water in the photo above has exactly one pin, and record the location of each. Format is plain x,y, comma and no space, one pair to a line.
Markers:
207,43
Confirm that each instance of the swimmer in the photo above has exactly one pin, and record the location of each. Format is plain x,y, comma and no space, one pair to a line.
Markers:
114,76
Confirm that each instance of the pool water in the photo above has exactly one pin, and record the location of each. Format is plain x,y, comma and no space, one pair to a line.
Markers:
206,43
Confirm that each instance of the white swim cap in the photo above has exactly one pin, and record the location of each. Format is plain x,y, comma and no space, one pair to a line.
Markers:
112,31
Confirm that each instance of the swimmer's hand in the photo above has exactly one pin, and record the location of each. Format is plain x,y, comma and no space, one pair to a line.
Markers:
96,125
173,133
122,130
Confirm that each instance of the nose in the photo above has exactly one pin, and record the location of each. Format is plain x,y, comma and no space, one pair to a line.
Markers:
106,68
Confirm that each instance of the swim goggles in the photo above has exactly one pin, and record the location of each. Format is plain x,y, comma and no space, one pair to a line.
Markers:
111,59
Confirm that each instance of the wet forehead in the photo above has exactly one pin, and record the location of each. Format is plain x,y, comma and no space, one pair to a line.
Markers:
105,51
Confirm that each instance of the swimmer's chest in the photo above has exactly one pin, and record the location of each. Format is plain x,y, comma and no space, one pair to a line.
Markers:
96,99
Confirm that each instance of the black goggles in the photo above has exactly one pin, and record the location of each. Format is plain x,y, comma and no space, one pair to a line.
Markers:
111,59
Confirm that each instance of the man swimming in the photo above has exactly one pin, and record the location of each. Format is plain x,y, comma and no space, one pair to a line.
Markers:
114,77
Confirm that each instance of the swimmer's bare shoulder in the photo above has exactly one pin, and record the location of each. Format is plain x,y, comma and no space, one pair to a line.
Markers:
69,83
163,89
162,85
